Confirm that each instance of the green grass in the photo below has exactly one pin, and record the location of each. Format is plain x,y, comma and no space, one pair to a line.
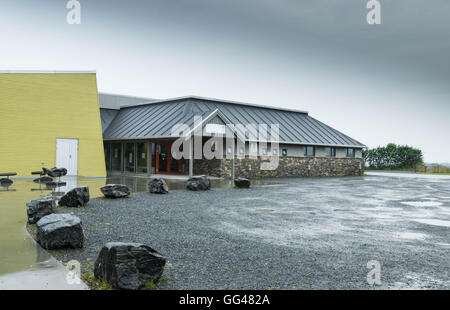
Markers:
410,170
435,173
389,169
93,283
150,285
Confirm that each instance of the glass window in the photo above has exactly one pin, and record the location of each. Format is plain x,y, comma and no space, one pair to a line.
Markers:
350,152
310,151
116,153
142,160
129,154
330,151
108,156
284,152
153,157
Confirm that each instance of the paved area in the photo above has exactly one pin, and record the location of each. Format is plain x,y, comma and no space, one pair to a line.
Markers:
298,234
46,273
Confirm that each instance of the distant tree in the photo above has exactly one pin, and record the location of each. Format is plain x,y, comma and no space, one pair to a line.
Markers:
393,156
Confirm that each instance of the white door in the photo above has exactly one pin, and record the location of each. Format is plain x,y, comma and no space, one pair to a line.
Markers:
67,155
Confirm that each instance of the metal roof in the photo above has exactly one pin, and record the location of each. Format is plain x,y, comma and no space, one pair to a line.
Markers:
107,116
112,101
225,101
156,120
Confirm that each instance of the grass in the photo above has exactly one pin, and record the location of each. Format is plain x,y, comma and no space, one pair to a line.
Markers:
407,169
149,285
95,284
435,173
389,169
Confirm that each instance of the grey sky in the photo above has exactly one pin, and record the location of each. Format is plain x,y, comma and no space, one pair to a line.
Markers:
378,84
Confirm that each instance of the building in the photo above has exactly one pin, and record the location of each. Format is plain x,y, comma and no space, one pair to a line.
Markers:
53,119
50,119
138,138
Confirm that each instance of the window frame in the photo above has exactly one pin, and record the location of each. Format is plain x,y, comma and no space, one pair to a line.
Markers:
333,151
313,151
353,155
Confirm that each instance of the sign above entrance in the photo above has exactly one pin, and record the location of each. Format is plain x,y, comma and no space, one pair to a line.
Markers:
215,129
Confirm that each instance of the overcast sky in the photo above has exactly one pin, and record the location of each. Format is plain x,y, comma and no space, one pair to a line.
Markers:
377,83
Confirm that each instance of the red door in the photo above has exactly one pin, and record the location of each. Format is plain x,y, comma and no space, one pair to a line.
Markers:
164,161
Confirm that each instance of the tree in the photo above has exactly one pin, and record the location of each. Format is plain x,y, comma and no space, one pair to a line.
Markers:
393,156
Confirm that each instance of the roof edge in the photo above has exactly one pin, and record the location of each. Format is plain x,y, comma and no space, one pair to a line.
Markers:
246,140
46,72
127,96
220,100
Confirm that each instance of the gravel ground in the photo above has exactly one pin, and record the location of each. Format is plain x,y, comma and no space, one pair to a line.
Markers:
300,234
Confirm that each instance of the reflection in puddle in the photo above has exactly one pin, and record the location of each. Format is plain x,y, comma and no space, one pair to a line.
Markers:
422,203
434,222
411,236
17,251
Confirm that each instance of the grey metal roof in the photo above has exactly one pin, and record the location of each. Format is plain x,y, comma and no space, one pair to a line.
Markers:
112,101
157,119
107,116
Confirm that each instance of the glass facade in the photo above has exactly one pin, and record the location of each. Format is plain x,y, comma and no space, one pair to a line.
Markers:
108,156
153,157
129,157
162,158
116,155
142,157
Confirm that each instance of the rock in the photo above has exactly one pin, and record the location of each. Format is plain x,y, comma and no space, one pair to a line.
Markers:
157,186
115,191
128,265
75,198
56,231
43,180
55,172
53,185
242,183
198,183
38,208
6,181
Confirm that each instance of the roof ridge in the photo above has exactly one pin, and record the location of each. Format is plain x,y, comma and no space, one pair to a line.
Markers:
222,101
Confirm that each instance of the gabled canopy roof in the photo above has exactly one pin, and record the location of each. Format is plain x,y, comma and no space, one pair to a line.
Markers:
156,119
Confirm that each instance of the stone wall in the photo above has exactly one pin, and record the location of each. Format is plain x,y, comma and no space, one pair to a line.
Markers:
214,167
288,167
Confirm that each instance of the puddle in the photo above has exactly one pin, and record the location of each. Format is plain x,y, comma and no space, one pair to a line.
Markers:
447,245
434,222
19,253
411,236
422,203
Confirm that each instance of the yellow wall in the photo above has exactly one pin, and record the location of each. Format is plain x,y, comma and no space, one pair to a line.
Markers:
35,109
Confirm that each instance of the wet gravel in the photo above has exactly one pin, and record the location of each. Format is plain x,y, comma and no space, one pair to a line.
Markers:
301,234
